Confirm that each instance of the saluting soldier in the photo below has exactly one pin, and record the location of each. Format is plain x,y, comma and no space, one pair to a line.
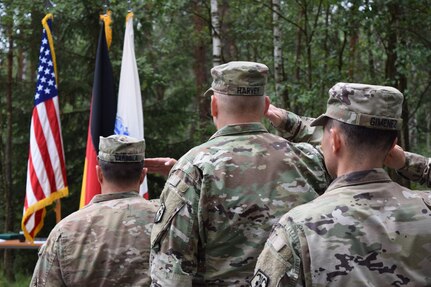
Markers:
222,197
365,230
106,243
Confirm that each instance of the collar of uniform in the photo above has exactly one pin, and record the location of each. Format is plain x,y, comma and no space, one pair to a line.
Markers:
114,195
360,177
240,129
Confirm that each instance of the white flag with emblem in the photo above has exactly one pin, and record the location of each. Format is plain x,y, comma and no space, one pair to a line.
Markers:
130,117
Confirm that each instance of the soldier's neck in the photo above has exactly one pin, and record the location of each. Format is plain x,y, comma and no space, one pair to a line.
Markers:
108,187
356,163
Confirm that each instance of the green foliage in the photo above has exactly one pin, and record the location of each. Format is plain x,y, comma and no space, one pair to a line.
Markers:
21,280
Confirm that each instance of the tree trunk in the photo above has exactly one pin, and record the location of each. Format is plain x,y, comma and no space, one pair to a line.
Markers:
371,68
280,91
340,54
397,80
199,67
353,42
20,67
309,32
298,54
308,44
230,50
9,211
215,21
323,91
428,131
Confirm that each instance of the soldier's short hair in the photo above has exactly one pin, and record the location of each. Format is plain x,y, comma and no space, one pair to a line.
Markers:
121,173
361,138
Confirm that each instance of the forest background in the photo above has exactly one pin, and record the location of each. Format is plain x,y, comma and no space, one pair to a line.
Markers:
309,45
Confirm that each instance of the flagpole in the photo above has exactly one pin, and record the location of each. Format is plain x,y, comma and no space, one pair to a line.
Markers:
48,5
57,211
57,208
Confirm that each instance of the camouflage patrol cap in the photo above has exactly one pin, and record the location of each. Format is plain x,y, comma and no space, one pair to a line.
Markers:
121,148
239,78
376,107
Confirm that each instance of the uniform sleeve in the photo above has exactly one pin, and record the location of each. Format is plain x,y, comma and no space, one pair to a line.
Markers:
417,168
297,129
279,264
47,271
175,234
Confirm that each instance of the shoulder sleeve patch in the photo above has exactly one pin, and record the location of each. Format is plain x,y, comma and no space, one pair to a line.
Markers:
159,213
259,279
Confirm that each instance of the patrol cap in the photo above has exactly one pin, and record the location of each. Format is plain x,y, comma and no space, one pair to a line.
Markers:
121,148
376,107
239,78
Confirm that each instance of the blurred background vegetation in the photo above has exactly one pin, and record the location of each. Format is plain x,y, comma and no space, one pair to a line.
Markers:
309,45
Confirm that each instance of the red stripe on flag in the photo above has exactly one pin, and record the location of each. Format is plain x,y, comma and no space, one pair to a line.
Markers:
92,185
51,111
38,216
35,185
25,203
43,149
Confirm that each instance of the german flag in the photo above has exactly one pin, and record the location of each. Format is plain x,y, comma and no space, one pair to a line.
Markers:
102,113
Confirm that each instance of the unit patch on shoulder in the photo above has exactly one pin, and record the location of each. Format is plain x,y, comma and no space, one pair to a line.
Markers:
159,213
259,279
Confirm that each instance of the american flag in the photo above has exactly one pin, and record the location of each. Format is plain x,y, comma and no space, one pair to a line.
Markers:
46,172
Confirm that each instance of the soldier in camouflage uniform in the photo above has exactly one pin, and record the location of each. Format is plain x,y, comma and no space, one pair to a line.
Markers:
107,243
222,197
365,230
298,129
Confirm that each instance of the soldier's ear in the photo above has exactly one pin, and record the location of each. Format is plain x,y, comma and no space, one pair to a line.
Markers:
143,174
394,143
267,104
99,174
335,139
214,106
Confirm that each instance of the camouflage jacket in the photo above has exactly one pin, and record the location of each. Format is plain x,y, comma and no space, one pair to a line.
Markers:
417,168
220,201
298,129
365,230
104,244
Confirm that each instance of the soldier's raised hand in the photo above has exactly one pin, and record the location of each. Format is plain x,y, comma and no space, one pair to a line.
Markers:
160,165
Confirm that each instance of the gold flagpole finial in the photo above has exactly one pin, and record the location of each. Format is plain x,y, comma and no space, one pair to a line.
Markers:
108,30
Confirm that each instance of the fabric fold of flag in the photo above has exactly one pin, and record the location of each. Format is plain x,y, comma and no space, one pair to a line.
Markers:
102,116
46,171
130,118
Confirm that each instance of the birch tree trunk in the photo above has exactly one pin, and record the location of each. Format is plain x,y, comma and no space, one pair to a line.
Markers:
280,91
199,67
215,31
